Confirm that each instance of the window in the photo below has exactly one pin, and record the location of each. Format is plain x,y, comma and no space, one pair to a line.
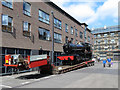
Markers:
26,8
81,35
71,40
88,38
7,3
57,23
98,35
66,28
76,32
72,30
105,41
94,36
94,41
7,23
26,28
44,34
44,17
112,34
99,48
99,41
105,35
66,39
112,41
57,38
113,47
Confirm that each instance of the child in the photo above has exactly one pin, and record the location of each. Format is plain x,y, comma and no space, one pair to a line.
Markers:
104,62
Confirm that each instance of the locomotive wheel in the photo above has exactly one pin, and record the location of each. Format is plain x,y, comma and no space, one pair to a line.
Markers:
88,65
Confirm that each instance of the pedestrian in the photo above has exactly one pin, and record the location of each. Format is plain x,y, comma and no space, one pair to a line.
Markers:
104,62
109,62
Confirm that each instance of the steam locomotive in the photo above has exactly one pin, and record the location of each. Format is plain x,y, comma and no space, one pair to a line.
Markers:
75,53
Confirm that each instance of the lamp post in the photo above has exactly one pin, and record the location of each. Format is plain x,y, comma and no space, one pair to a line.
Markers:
41,51
52,37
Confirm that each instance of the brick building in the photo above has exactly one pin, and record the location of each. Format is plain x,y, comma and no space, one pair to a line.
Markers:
26,28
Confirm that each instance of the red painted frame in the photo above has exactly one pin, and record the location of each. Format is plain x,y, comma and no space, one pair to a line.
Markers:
65,57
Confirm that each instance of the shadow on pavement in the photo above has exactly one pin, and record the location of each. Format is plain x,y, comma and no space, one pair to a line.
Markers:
33,76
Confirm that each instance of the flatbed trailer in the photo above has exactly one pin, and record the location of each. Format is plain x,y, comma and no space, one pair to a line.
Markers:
67,68
43,64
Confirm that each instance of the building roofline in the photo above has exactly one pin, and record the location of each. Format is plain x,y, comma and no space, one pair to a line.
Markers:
84,24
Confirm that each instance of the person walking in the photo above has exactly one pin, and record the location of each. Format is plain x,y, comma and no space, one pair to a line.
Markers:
109,62
104,62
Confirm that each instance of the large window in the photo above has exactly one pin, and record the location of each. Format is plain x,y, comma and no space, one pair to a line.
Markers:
7,3
44,34
7,23
66,27
57,38
26,28
26,8
44,17
57,23
72,30
76,32
81,35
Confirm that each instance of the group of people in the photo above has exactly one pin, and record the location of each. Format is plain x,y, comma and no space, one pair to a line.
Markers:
107,61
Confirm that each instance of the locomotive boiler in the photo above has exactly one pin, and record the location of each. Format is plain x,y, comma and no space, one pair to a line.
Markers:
75,53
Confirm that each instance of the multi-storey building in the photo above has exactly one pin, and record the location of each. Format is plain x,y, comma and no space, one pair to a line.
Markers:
26,28
107,42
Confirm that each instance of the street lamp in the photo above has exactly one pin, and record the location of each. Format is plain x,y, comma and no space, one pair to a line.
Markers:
52,37
41,51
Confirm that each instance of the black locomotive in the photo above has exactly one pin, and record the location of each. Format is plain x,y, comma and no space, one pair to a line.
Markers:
75,53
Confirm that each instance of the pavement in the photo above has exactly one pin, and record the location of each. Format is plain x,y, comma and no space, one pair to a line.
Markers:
88,77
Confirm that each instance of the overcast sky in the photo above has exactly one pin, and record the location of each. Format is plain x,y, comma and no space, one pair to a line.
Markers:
96,13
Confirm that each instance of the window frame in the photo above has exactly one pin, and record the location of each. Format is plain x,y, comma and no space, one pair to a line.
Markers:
76,32
57,37
5,2
88,38
44,31
81,35
57,23
26,12
72,30
7,26
43,17
66,27
27,32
